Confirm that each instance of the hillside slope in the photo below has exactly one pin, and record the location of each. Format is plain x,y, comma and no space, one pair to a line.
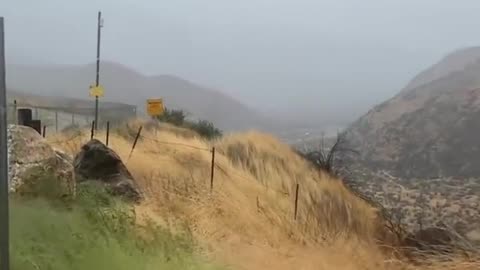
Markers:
246,221
430,128
125,85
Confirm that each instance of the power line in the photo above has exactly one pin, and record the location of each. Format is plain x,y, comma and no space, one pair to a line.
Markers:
178,144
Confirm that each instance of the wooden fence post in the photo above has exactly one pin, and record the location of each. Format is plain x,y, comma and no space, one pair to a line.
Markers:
212,171
296,202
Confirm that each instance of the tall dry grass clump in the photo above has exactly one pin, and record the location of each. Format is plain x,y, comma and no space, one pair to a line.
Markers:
327,210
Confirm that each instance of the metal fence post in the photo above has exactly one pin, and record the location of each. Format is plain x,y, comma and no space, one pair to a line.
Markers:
212,169
296,202
108,132
135,142
15,112
92,131
56,121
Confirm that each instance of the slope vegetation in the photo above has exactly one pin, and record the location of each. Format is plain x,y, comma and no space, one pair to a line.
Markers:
246,220
47,235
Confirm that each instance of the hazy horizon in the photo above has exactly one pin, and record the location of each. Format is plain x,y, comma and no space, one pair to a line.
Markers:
295,59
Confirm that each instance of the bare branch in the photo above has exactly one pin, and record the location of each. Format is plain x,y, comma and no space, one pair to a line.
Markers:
326,158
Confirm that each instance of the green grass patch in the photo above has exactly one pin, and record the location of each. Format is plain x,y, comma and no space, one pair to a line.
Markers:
95,231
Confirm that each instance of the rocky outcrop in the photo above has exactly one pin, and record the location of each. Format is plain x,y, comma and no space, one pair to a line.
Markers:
97,162
430,129
28,155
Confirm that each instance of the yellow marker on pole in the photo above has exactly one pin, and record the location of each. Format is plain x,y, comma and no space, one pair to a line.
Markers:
96,91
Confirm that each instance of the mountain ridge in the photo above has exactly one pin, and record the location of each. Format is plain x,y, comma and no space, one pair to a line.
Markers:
134,88
452,62
427,131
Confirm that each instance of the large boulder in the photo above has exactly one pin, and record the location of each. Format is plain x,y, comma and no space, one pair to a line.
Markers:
32,160
97,162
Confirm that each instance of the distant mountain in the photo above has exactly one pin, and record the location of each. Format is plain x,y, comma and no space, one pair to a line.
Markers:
432,127
112,111
125,85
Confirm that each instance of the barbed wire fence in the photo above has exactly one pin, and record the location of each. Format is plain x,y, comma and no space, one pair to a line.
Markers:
74,121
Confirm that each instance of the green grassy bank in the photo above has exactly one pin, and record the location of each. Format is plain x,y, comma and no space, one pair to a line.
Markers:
94,231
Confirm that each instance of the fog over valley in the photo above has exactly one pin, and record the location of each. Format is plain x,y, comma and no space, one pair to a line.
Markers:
307,63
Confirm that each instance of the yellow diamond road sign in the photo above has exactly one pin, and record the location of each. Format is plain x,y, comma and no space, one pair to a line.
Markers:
96,91
155,107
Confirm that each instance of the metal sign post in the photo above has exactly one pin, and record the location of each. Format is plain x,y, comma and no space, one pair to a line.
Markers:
4,215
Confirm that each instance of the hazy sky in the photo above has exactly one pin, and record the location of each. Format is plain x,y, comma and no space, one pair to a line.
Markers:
336,57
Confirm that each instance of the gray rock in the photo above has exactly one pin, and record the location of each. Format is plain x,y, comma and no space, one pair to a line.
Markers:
97,162
29,152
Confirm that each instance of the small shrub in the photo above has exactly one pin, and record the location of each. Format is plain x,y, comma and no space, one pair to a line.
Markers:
174,117
203,128
206,129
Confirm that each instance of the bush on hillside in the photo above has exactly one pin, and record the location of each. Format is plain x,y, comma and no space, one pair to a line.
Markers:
174,117
203,128
206,129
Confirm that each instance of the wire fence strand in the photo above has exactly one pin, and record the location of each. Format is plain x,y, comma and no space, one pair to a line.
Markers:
66,140
175,143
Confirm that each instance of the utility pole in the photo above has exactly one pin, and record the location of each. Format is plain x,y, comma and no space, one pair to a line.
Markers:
97,80
4,215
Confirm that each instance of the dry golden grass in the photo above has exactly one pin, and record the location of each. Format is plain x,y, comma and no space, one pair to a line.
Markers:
247,220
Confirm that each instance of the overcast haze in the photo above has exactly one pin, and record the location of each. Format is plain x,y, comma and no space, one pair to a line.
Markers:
307,57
